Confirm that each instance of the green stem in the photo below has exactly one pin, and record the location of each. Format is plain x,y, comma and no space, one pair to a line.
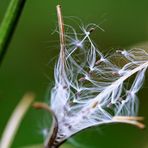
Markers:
8,25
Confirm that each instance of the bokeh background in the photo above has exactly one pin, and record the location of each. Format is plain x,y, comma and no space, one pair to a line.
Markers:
29,62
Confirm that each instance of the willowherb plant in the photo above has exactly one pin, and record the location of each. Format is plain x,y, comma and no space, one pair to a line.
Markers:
90,88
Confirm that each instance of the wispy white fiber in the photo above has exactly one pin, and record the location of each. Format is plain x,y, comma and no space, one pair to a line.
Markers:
92,88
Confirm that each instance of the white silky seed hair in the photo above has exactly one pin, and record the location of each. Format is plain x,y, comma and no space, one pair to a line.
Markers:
93,89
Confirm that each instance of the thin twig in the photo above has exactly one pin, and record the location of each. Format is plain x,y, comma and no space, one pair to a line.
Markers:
9,24
15,120
62,38
136,118
130,120
61,28
54,127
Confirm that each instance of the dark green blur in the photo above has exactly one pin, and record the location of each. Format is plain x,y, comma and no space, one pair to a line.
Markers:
29,62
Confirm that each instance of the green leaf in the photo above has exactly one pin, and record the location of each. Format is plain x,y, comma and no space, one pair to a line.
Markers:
8,24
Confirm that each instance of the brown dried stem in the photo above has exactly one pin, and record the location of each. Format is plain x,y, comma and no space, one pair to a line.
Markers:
62,38
130,120
49,143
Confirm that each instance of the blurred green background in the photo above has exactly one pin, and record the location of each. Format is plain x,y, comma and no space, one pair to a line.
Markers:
29,62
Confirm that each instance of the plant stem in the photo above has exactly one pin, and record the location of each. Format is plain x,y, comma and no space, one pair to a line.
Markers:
62,38
49,143
9,24
15,120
